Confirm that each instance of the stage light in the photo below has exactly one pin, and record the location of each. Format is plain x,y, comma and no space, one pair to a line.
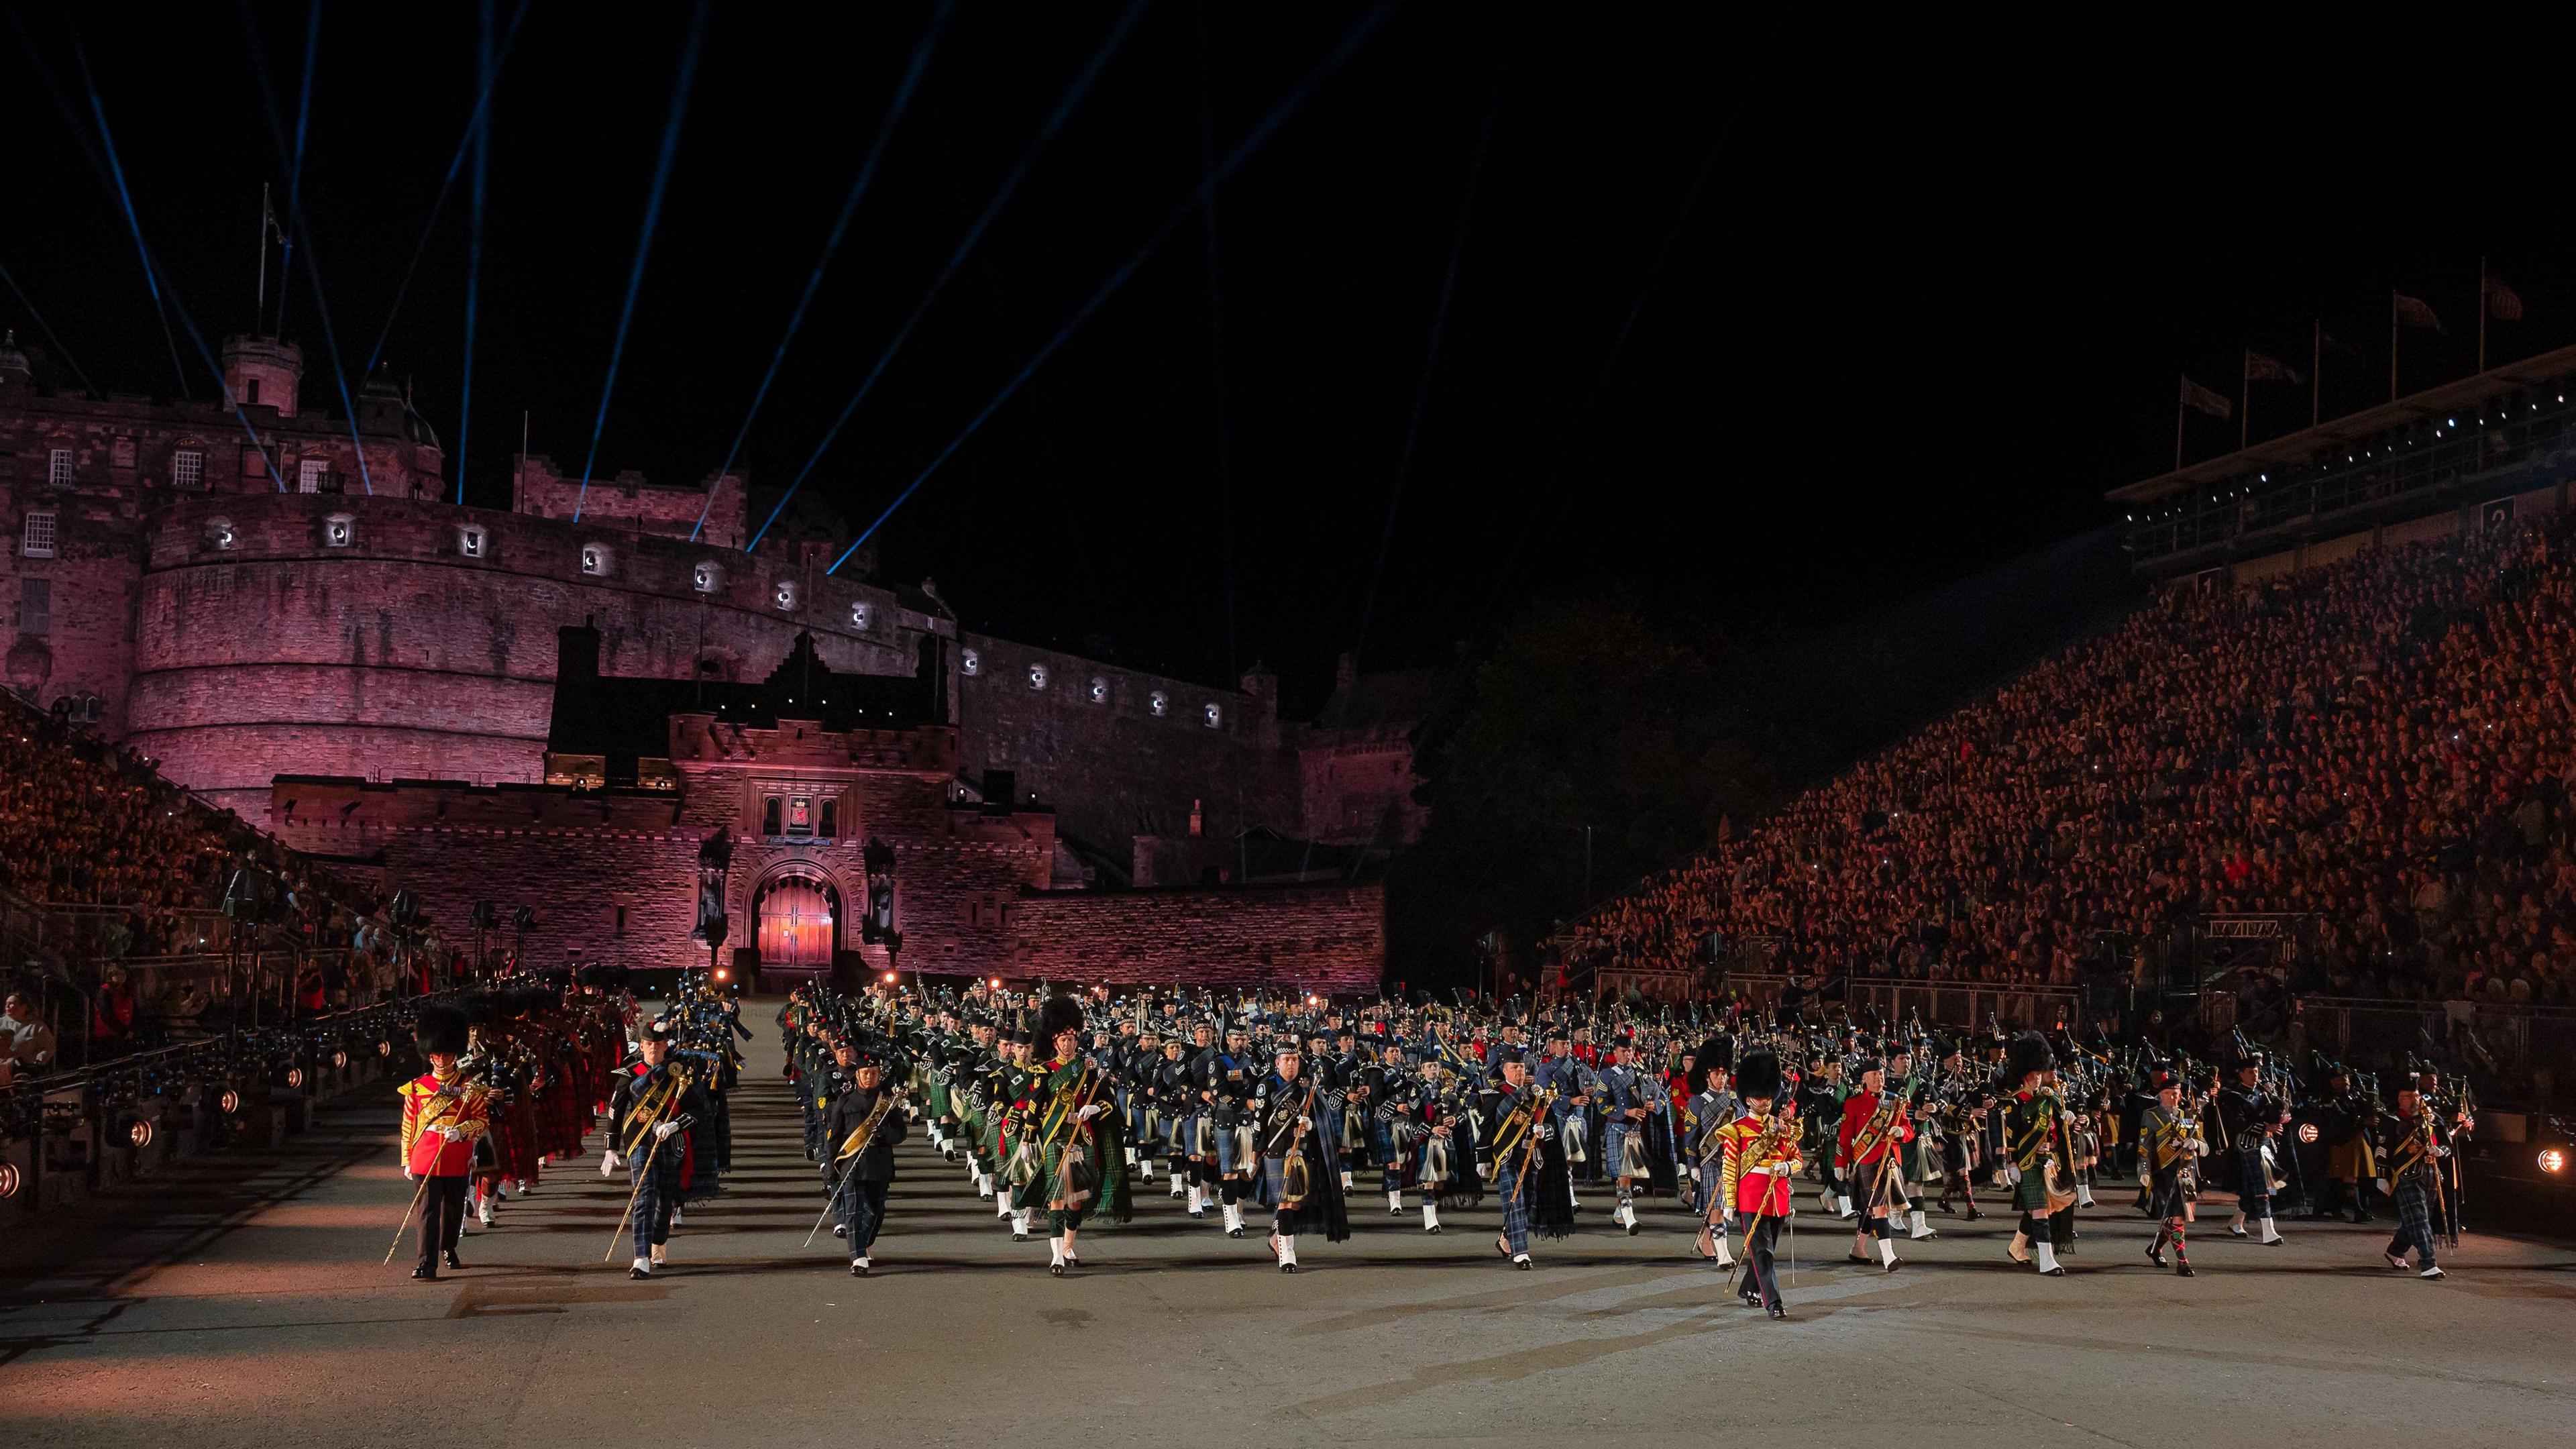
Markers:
2308,1133
2553,1160
384,1049
139,1132
229,1103
340,1058
889,978
724,973
8,1179
995,983
295,1078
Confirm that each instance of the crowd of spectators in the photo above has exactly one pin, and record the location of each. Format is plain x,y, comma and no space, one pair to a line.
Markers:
2379,748
116,882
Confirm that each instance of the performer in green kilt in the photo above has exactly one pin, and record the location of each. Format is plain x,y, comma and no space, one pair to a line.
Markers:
1069,1113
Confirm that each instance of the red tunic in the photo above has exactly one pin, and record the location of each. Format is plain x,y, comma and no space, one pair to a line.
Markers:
1858,1108
429,1104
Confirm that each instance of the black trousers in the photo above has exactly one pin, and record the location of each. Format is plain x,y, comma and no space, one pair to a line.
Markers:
860,1207
1760,1243
442,1217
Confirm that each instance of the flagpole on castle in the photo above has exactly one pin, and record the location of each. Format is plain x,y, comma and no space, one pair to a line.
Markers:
2317,357
2244,396
261,314
2179,394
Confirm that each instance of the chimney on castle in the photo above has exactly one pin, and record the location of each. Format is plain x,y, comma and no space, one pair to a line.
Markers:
577,651
262,372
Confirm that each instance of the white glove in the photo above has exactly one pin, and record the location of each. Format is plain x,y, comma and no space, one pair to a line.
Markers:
2380,1182
1546,1133
452,1134
1303,1123
408,1174
1089,1111
664,1130
607,1163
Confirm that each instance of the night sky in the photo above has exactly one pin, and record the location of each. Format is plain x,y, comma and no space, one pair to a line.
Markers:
1928,303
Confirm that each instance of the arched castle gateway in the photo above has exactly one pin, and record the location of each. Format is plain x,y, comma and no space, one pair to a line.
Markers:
429,670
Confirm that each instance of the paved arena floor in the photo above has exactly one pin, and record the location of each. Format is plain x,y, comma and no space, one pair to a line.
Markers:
241,1301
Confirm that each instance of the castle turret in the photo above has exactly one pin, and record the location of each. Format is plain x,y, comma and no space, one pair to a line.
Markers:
262,372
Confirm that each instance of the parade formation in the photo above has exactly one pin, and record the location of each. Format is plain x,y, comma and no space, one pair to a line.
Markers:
1073,1111
1068,1112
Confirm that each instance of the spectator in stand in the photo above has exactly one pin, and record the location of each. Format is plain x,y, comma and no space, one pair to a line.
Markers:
25,1037
2382,745
111,1031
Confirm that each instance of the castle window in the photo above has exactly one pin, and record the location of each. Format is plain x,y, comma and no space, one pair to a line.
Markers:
35,607
800,815
621,920
769,815
1037,676
783,594
339,530
120,453
831,818
970,661
860,615
594,559
470,540
219,533
1099,690
188,469
58,467
1212,713
250,391
310,473
37,541
705,577
1159,702
254,463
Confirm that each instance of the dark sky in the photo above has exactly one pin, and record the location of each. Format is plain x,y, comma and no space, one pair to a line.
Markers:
1930,302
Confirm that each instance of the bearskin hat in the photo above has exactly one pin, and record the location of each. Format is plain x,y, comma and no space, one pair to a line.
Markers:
440,1030
2025,1054
1716,1054
1758,1075
1060,1014
483,1008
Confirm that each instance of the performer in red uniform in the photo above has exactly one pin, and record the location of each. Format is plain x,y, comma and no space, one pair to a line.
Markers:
1873,1124
444,1114
1758,1157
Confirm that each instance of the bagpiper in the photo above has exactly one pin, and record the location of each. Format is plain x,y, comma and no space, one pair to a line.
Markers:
649,1115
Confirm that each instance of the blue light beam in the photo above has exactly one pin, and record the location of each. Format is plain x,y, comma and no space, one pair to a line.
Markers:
831,244
1234,159
644,243
1046,131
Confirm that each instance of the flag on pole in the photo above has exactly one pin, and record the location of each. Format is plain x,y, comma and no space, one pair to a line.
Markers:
2503,303
2216,404
2412,312
2259,368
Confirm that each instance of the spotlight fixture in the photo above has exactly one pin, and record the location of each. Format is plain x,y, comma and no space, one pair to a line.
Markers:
2553,1160
2308,1134
340,1058
8,1179
229,1103
295,1078
139,1132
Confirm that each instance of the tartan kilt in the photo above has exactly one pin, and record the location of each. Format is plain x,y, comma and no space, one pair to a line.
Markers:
2030,1194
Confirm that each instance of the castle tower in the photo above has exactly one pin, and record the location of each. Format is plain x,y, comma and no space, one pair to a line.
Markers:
262,372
